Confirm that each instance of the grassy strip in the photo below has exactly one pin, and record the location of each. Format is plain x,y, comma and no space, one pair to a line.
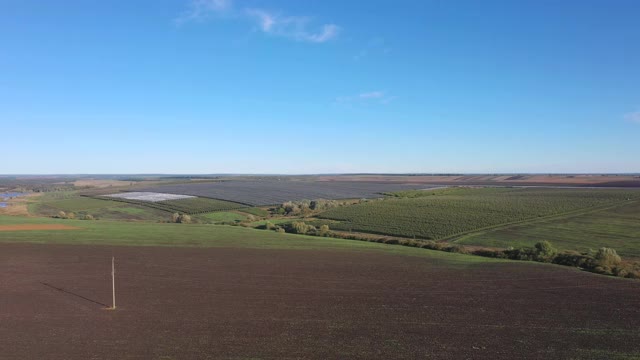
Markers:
120,233
255,211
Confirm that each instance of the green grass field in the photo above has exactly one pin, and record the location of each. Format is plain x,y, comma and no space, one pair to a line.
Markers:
440,214
255,211
617,227
220,216
161,234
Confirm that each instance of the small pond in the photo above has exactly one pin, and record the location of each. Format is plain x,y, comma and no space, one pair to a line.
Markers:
7,196
11,195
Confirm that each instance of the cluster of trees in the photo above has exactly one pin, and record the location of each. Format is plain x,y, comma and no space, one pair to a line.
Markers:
70,215
306,207
299,227
603,261
64,215
181,218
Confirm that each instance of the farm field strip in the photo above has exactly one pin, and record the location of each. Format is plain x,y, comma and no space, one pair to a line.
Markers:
614,226
270,192
459,211
539,220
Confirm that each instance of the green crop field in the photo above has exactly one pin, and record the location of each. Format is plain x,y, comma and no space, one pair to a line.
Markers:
196,205
201,235
255,211
438,214
220,216
617,227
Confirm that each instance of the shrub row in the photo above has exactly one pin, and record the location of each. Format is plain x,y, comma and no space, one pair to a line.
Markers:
604,261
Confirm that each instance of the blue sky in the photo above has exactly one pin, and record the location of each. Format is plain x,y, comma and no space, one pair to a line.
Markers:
231,86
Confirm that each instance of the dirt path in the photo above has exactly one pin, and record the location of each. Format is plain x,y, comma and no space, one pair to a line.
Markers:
36,227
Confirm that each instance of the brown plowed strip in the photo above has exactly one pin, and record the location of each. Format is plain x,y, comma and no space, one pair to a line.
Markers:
36,227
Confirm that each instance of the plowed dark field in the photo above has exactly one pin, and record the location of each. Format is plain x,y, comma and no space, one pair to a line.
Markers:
199,303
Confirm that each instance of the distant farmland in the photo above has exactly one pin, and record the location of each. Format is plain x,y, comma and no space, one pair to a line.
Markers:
259,193
187,205
458,210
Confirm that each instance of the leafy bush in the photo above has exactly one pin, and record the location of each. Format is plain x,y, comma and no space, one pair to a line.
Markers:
544,251
607,257
299,227
455,248
181,218
574,258
324,230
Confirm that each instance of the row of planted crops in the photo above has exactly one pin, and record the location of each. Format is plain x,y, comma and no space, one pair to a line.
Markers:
442,213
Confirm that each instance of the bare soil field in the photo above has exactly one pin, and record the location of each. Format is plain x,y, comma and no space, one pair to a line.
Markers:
36,227
200,303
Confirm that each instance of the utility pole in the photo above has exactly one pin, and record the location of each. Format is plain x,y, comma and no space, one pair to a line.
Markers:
113,281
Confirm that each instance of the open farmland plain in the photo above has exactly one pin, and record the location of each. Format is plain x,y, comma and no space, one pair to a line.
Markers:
229,292
271,192
439,214
616,226
205,290
571,180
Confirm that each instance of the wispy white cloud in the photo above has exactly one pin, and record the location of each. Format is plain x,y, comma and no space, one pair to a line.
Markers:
200,10
265,19
633,117
329,31
298,28
370,96
294,27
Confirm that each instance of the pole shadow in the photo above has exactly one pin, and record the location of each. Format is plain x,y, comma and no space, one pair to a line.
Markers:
74,294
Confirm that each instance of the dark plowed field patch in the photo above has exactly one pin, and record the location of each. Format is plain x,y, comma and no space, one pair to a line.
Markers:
195,303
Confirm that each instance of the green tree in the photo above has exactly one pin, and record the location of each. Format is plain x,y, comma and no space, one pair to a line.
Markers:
545,251
607,257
